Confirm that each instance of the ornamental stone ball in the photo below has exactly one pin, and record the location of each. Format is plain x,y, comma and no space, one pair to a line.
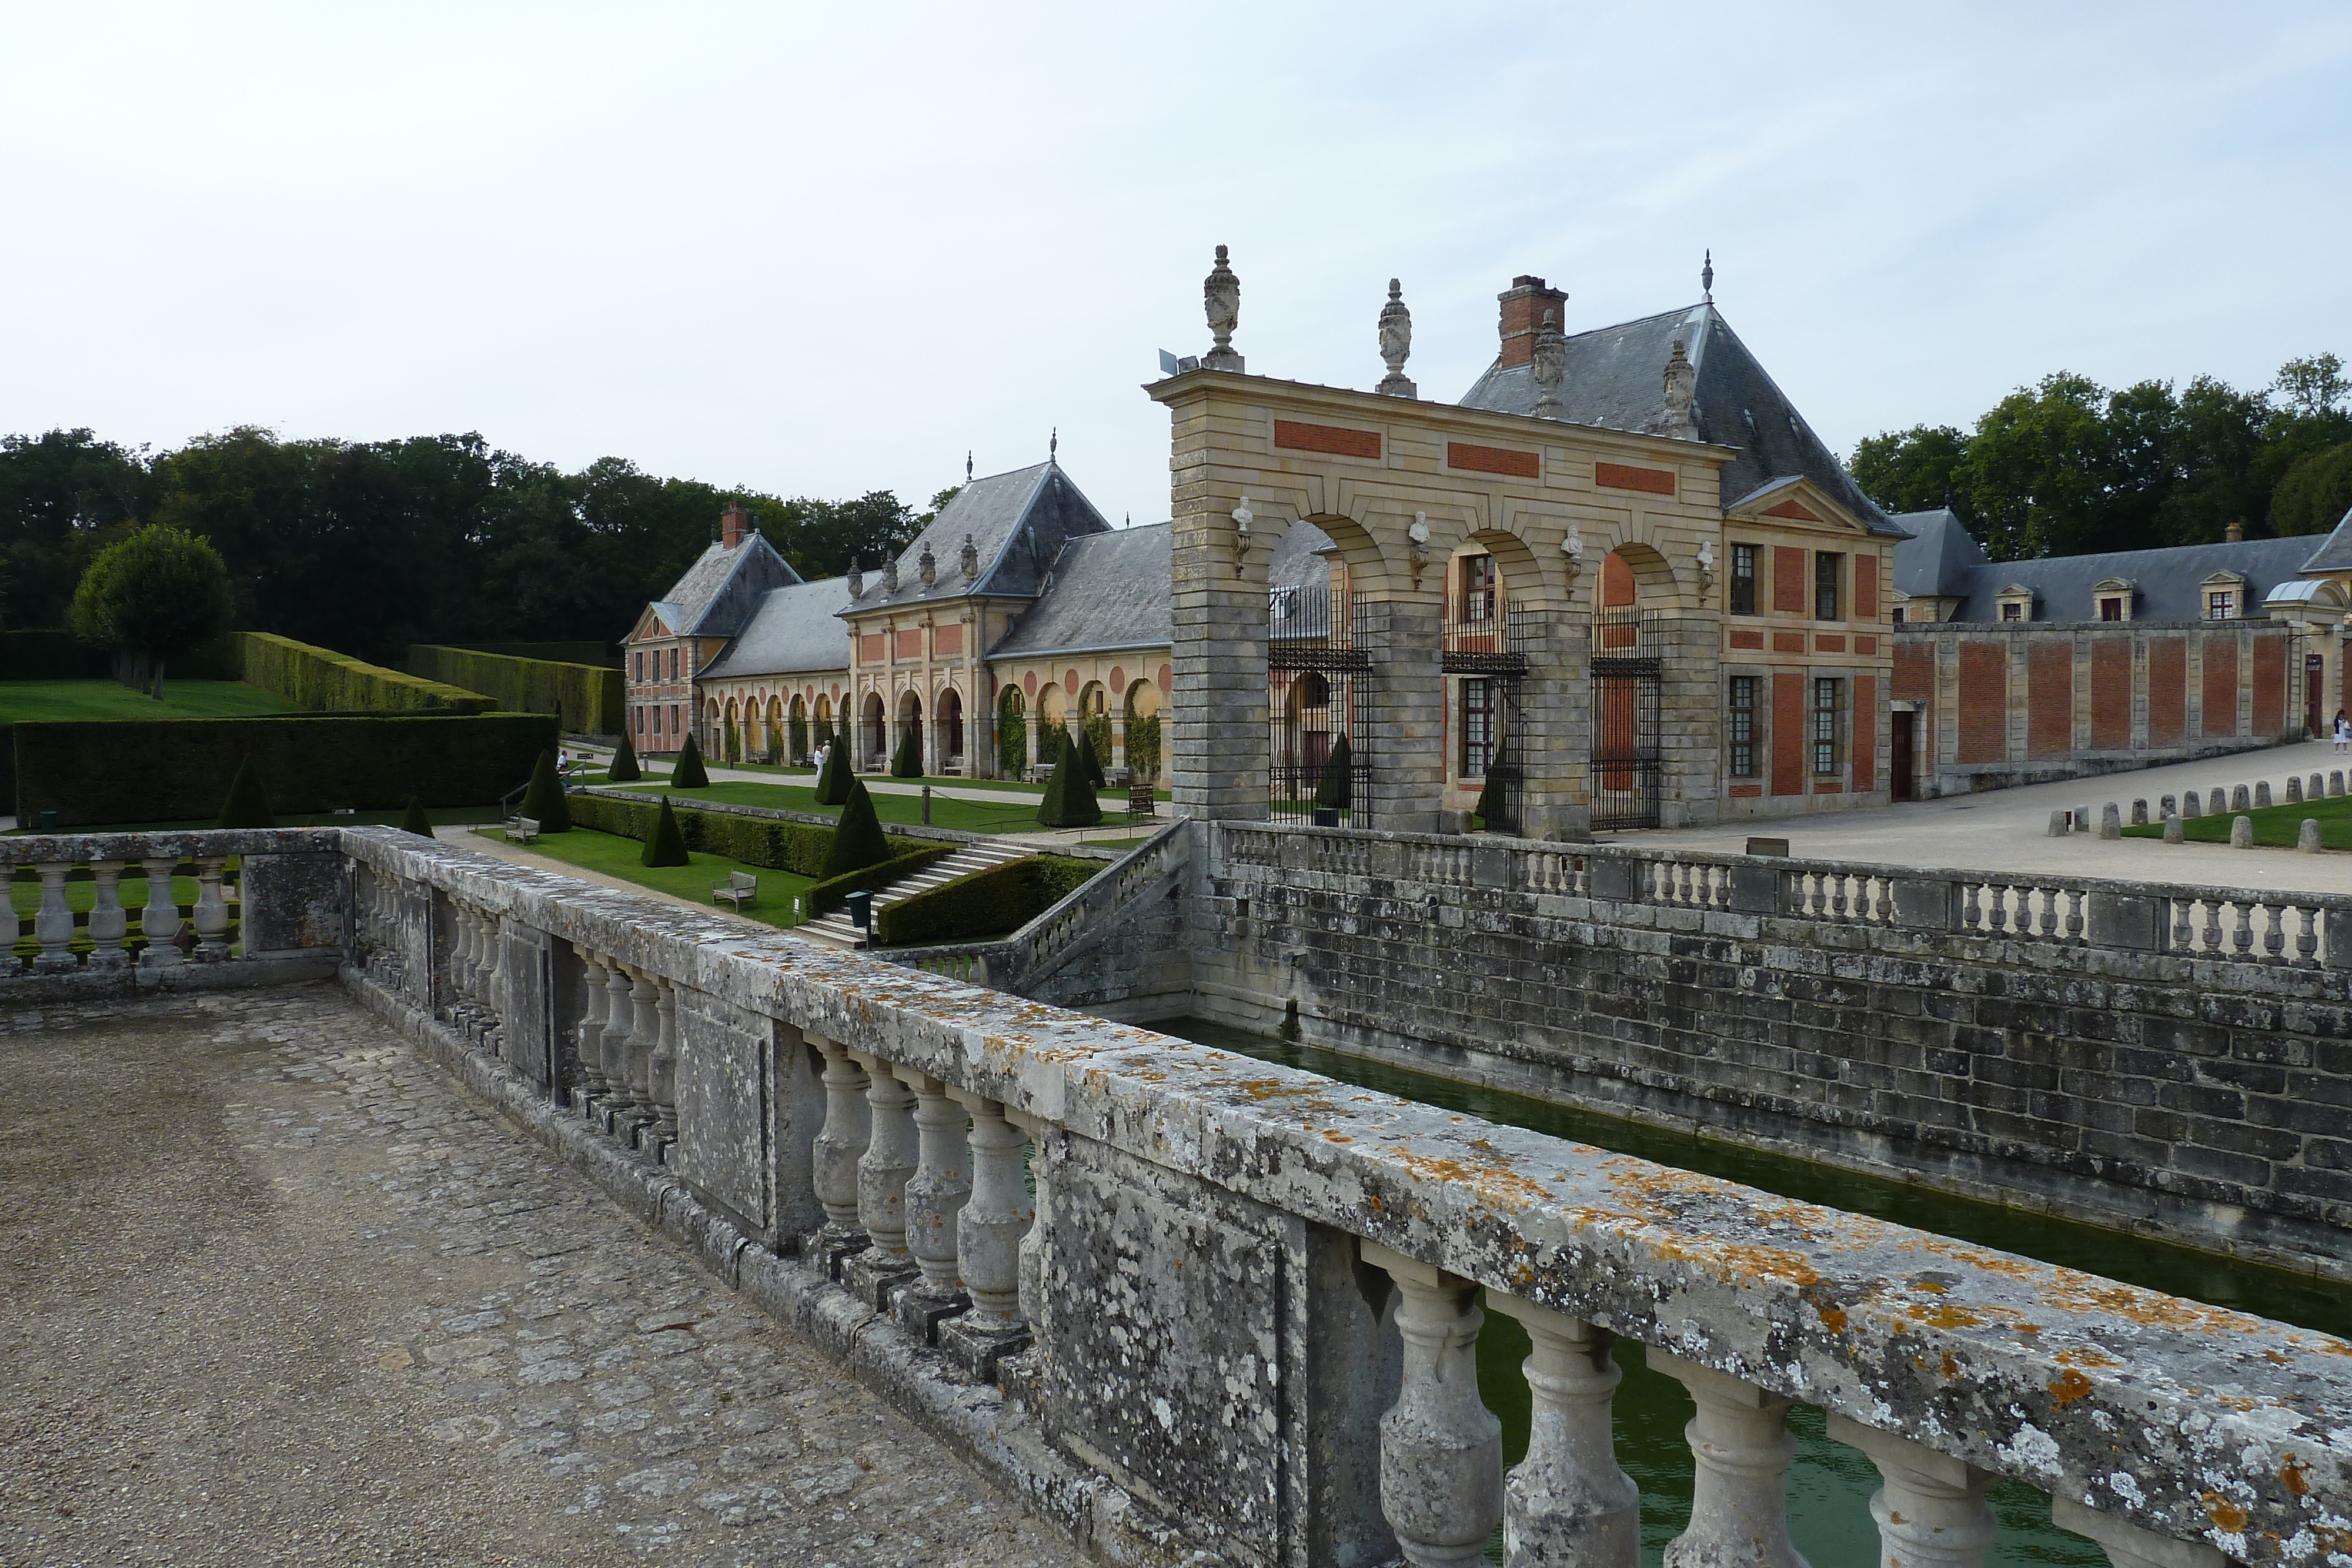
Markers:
1221,297
1550,368
1396,343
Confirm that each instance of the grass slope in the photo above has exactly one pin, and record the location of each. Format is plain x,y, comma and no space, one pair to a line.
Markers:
22,701
615,856
2274,825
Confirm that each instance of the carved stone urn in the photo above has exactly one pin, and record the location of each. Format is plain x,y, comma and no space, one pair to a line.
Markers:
1221,296
1396,343
1550,368
928,566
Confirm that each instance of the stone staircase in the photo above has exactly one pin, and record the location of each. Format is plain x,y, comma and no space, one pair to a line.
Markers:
836,929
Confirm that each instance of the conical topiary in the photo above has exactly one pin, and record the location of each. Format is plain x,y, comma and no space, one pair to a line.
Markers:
248,805
1490,801
833,783
857,841
908,762
688,774
1337,788
415,820
1069,800
543,801
1091,765
625,769
665,845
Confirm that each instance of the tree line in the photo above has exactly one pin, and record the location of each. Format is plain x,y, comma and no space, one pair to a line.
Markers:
2070,468
366,547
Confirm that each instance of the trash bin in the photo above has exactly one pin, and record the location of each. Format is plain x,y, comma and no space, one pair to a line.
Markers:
1327,816
861,912
48,820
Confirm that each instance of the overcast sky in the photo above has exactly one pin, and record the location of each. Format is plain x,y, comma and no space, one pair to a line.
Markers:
823,250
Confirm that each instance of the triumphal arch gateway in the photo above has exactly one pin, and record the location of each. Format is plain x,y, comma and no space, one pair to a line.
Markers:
1620,584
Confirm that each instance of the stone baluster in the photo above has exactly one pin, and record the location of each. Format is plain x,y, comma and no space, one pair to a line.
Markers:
1740,1438
2306,939
1931,1511
211,910
661,1066
2242,939
2129,1546
644,1037
2212,926
2078,899
592,1022
109,923
159,918
2273,938
616,1043
53,925
1036,1304
1440,1448
2184,930
1568,1504
940,1188
888,1159
838,1146
994,1219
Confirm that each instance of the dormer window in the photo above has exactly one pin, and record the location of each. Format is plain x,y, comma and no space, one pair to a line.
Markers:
2016,602
2225,596
2111,598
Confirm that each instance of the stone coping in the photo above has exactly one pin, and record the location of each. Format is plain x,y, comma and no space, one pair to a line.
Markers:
2190,1420
79,849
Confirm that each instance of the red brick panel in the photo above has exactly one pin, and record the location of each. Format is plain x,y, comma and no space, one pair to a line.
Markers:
1826,642
947,641
2270,685
910,643
2111,695
1476,459
1792,582
1866,733
2167,690
1330,438
869,648
2049,696
1793,509
1748,639
2220,682
1865,644
1984,702
1866,588
1618,476
1788,735
1788,641
1915,671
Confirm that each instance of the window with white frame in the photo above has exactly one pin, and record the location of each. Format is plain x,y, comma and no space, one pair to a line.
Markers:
1743,726
1477,726
1827,692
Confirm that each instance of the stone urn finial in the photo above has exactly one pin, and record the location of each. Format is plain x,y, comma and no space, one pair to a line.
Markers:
890,574
1550,368
1220,293
1682,393
928,566
1396,343
970,558
856,579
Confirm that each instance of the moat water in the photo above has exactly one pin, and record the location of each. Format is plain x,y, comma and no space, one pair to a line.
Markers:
1829,1484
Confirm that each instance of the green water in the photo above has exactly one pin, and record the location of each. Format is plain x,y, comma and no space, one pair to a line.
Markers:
1829,1483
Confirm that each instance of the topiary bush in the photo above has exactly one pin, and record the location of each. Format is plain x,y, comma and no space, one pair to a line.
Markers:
1143,748
589,696
799,848
832,783
1011,741
543,801
908,762
666,845
1490,802
1096,730
688,773
625,769
1069,800
1090,760
248,805
1337,788
857,837
415,820
986,903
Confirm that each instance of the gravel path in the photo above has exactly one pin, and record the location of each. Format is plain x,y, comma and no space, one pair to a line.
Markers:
273,1291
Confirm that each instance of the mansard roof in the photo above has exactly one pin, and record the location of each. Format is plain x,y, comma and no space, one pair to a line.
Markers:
1106,591
2335,553
795,630
1616,380
2170,582
1018,523
1935,560
718,594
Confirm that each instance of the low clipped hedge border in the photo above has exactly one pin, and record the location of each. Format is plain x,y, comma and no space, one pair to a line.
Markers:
796,847
320,678
828,897
990,902
589,698
93,771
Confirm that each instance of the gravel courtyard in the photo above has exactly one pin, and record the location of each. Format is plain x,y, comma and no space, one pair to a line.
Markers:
273,1291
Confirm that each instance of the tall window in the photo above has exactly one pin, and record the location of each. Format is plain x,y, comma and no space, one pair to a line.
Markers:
2012,610
2111,609
641,720
641,665
674,730
1897,613
1477,726
1825,723
673,669
2221,605
1478,588
1826,585
1743,580
1743,726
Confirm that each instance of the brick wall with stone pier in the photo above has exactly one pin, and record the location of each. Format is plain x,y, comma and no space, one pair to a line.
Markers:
1240,1312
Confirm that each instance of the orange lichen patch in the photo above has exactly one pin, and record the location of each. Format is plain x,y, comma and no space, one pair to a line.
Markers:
1941,1318
1951,1366
1337,1136
1497,1181
2228,1515
2092,1296
2291,1476
2086,1355
2068,1386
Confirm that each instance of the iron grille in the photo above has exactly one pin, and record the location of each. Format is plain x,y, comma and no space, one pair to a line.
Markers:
1485,636
1311,712
1306,630
1627,648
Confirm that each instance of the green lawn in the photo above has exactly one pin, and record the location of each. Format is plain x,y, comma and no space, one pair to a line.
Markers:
615,856
23,700
964,816
2275,825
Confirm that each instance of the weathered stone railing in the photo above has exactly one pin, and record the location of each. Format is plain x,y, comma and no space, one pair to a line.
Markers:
1247,1295
288,908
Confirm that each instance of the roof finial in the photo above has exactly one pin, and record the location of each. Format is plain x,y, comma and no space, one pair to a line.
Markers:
1706,276
967,465
1396,343
1221,296
1053,445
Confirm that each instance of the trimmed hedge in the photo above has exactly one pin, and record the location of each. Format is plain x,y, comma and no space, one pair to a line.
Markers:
834,893
587,652
589,697
322,679
94,771
51,655
796,847
990,902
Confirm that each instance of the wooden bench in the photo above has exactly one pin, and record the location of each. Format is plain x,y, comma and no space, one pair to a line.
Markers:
523,831
1140,801
739,889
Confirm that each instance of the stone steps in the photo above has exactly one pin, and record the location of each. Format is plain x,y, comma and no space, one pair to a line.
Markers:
836,928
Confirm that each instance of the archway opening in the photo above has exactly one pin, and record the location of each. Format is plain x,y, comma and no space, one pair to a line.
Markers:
1144,735
874,738
1626,673
948,742
1011,734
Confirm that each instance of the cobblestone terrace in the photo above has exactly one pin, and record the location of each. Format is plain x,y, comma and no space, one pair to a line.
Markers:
272,1289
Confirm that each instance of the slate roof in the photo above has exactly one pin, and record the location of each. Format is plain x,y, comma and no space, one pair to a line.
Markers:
1299,559
718,594
2169,582
1017,521
2336,554
1935,560
794,631
1106,591
1616,380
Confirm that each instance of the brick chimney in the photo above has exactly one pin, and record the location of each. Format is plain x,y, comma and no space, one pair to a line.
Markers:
733,524
1524,304
2235,531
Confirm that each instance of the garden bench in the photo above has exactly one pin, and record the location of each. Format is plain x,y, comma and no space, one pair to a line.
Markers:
739,889
525,830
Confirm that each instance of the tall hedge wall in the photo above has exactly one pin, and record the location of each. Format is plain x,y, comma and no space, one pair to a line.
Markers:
796,847
320,678
582,653
991,902
587,698
42,655
96,771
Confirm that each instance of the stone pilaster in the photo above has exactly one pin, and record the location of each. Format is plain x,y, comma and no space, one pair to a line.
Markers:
1400,713
1218,754
1554,741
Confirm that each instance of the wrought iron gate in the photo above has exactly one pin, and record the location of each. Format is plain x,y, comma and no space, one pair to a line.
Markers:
1627,645
1317,666
1486,641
